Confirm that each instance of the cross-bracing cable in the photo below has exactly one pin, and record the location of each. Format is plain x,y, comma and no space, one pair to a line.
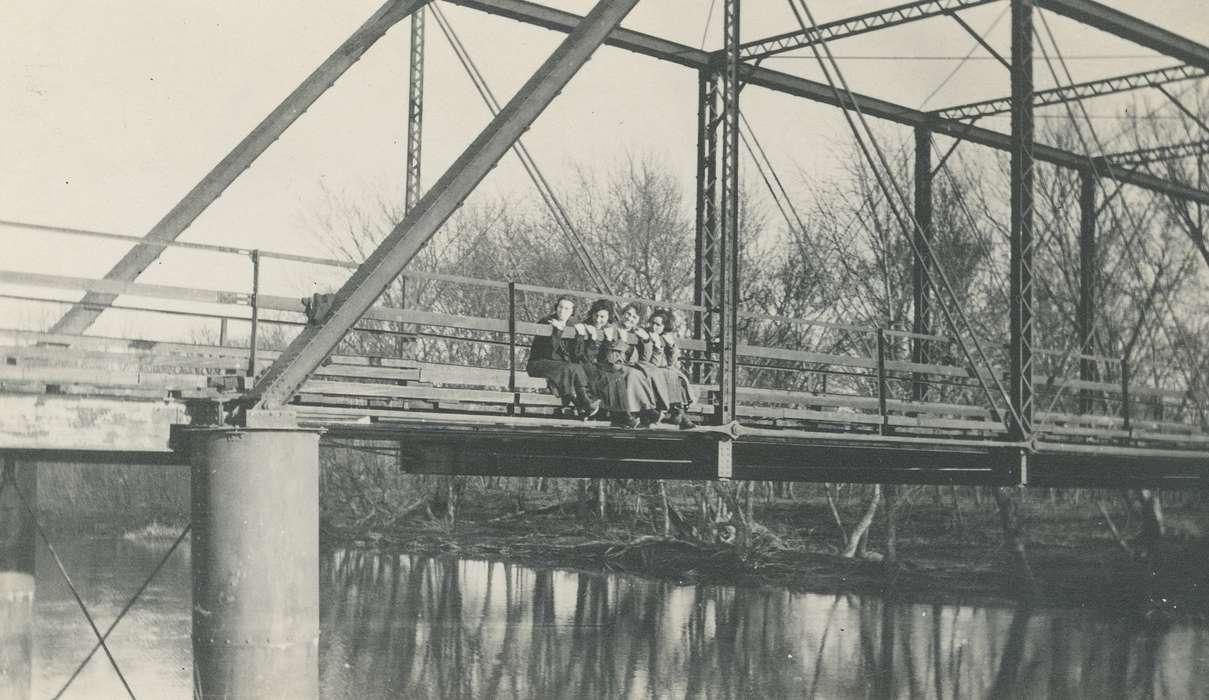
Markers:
1110,168
557,211
948,313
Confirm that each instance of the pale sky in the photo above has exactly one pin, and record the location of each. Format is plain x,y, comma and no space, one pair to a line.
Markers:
113,111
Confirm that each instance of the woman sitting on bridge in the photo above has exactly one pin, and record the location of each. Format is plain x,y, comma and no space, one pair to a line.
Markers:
625,391
553,358
659,349
638,357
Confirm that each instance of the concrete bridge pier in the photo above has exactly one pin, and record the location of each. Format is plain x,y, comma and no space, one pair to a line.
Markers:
255,509
18,543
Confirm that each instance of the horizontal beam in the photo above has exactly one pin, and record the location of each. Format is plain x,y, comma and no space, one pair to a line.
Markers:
1133,159
1079,91
852,26
1117,23
655,47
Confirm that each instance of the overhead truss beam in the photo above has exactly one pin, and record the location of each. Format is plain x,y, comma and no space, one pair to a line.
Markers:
655,47
1133,159
852,26
1117,23
1080,91
312,346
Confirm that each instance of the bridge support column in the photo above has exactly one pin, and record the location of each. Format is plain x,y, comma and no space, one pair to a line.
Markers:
255,509
17,546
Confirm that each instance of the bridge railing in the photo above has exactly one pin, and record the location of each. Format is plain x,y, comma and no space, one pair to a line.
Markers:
820,374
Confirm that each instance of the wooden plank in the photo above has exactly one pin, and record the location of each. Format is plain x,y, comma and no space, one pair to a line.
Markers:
946,423
325,388
101,377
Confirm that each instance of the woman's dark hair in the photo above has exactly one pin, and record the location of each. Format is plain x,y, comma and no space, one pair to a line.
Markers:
629,306
561,298
601,305
665,314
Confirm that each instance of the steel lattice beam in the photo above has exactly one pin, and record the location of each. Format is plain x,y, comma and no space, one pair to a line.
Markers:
655,47
204,193
705,278
415,111
1080,91
852,26
728,181
308,350
1119,24
1021,292
921,279
1133,159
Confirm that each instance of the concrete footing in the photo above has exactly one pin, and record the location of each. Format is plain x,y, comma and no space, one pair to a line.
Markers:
255,509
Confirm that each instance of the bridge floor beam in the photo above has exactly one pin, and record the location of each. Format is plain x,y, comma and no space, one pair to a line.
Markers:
255,510
17,547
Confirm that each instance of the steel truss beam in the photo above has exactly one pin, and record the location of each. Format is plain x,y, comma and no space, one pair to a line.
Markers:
1021,292
1133,159
1085,321
1080,91
852,26
1119,24
729,239
415,111
705,278
204,193
921,279
308,350
655,47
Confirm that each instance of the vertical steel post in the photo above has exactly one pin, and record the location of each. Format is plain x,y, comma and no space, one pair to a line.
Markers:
1087,284
222,332
512,347
415,110
728,271
17,548
881,380
255,510
1126,409
1021,293
253,336
705,277
921,281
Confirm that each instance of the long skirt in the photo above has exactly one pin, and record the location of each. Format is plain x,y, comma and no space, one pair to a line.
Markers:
566,379
622,389
665,383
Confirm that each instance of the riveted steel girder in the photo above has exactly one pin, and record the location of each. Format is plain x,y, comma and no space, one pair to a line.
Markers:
851,26
1079,91
308,350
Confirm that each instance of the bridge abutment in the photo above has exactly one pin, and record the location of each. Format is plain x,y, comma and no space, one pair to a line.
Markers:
255,510
18,544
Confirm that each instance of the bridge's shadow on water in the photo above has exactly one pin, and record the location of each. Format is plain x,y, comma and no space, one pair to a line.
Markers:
413,627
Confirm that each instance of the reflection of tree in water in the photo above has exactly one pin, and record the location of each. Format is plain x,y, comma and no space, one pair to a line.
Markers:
410,627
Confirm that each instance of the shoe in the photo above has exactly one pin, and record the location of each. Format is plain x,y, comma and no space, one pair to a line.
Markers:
593,408
680,418
650,417
625,420
564,412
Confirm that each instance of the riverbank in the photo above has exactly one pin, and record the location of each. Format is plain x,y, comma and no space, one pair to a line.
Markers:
942,557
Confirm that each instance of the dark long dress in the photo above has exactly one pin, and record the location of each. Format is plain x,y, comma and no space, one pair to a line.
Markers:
553,359
621,388
652,361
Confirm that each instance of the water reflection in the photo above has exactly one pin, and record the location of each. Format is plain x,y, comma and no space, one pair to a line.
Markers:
419,628
413,627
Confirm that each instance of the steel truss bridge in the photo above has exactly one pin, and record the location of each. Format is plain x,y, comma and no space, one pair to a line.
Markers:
886,410
832,402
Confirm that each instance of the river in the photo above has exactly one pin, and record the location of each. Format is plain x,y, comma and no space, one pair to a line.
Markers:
401,626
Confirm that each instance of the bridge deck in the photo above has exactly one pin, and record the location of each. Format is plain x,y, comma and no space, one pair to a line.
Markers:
114,399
